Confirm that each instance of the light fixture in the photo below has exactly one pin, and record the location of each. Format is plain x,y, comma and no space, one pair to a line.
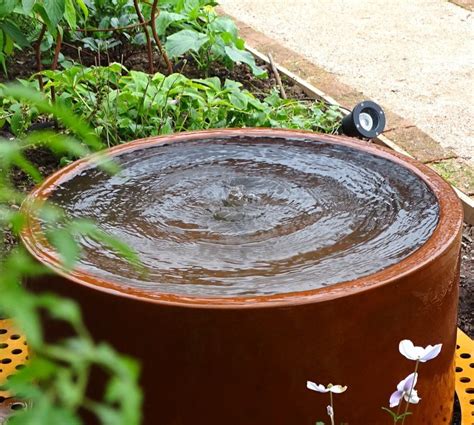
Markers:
367,120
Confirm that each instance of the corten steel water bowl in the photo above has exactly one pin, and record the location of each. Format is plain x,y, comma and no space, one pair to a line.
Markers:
229,325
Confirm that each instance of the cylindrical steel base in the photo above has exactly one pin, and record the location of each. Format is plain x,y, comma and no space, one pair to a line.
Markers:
246,361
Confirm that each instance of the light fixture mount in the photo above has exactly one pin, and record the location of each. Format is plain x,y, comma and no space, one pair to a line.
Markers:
367,120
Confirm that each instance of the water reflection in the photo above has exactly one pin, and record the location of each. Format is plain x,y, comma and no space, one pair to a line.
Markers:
233,217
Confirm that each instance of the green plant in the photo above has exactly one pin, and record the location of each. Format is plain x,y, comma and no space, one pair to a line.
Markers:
116,21
122,105
105,15
11,34
16,117
196,29
47,20
190,27
55,380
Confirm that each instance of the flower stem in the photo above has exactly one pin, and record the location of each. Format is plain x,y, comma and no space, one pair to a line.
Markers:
409,394
395,419
332,407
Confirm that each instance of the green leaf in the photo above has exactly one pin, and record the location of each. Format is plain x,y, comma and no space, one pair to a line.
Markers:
41,11
213,82
9,45
70,14
55,10
66,246
239,100
2,58
88,228
16,123
225,24
165,19
12,30
61,112
61,308
184,41
83,7
58,143
11,154
27,6
70,394
45,413
7,7
243,56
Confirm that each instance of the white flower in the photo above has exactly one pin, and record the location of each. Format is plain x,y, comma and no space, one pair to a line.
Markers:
330,411
406,390
408,349
336,389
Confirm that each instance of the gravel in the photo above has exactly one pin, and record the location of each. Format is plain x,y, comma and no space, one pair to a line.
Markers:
415,58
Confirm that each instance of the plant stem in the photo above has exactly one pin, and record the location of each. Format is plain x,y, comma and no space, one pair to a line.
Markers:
409,394
57,50
147,36
39,67
277,76
332,408
155,9
54,65
395,420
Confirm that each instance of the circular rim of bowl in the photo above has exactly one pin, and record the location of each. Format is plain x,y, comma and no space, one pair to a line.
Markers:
445,233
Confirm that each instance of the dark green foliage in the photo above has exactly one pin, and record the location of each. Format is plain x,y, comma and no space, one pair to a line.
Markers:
196,29
56,378
122,105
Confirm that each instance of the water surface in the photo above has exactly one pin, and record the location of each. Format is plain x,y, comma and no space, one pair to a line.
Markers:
226,217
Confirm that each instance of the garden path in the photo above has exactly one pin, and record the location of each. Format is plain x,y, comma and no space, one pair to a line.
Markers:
415,58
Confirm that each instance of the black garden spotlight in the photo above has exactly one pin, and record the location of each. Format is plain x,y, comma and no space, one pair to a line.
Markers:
367,120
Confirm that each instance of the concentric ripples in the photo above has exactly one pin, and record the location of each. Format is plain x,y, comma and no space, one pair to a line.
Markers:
237,216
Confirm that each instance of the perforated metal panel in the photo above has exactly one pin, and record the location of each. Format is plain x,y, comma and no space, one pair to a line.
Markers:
13,356
13,352
465,376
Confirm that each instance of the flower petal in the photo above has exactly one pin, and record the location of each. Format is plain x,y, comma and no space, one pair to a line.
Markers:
316,387
330,411
409,382
407,348
430,352
395,398
413,399
337,389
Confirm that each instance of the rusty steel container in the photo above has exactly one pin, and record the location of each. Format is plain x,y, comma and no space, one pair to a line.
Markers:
246,360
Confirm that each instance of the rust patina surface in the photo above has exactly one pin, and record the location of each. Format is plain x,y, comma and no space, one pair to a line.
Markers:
246,359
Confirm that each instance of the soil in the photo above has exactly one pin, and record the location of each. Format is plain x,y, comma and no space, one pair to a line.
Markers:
23,66
456,412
